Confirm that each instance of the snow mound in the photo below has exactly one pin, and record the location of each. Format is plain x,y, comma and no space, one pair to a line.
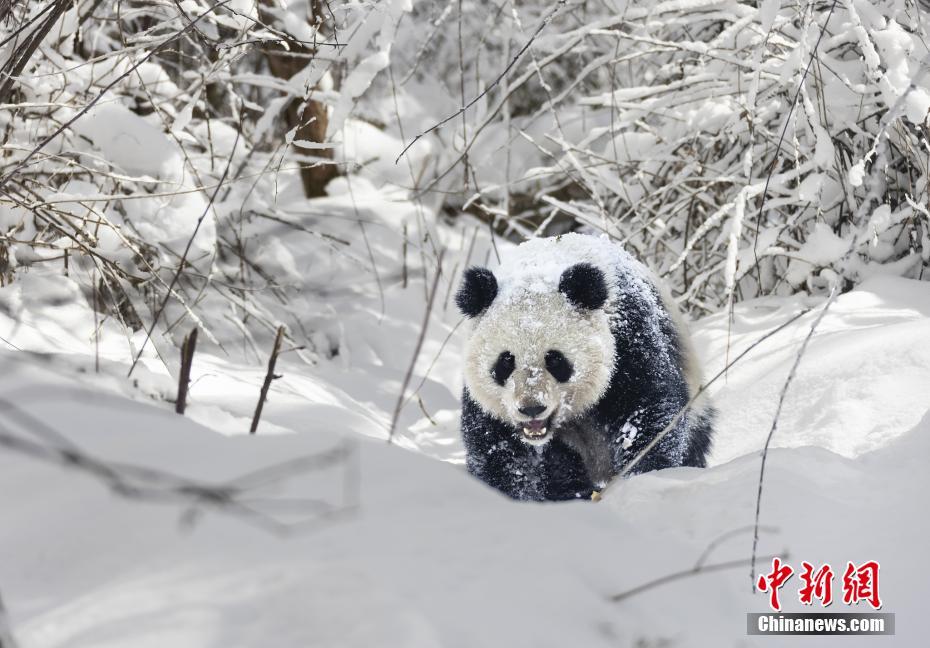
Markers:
862,383
431,557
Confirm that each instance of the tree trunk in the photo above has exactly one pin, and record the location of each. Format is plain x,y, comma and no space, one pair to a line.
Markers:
310,118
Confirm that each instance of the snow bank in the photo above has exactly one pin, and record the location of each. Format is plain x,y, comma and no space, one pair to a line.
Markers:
863,382
434,558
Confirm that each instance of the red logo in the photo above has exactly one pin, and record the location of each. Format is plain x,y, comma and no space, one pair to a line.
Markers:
860,583
816,585
773,581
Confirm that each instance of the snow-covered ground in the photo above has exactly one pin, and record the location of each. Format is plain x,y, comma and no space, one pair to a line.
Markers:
429,556
124,525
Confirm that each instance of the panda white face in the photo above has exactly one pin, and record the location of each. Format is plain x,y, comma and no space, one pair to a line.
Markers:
538,359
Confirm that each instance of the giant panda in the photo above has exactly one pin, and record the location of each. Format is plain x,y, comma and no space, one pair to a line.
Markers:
575,360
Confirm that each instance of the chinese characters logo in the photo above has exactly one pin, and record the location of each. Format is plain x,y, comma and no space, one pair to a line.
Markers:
860,583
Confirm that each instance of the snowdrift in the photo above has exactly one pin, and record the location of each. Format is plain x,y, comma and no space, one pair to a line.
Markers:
431,557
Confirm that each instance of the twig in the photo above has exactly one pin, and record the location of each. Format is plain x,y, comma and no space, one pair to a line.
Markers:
6,632
490,86
187,359
187,249
723,537
425,413
686,573
416,350
768,440
41,145
14,67
95,306
233,497
671,425
403,255
269,376
781,138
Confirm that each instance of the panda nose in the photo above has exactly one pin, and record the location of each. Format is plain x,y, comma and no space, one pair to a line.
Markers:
532,410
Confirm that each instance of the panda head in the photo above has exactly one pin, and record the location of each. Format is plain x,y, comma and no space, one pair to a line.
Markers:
539,355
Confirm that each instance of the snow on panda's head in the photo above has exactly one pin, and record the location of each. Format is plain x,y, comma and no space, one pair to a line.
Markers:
541,350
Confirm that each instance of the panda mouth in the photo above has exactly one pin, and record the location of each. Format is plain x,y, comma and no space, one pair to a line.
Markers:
536,430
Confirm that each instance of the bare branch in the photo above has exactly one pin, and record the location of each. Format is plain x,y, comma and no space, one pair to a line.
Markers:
236,497
461,111
768,440
184,379
416,350
269,377
697,570
630,465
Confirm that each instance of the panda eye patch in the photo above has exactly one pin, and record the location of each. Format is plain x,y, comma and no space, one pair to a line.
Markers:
558,365
503,367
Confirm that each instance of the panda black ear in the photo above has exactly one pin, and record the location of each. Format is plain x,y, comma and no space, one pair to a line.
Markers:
478,290
584,286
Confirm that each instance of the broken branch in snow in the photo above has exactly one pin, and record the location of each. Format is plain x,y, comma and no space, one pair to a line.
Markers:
687,573
269,376
723,537
237,496
187,359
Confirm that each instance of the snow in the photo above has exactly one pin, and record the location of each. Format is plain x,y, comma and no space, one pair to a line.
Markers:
857,173
432,557
863,383
120,135
536,265
822,248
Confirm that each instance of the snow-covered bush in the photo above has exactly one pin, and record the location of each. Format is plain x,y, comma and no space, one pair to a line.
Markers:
742,148
151,149
167,154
